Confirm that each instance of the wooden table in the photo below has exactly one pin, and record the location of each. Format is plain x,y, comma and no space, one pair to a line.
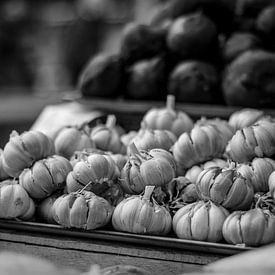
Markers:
79,249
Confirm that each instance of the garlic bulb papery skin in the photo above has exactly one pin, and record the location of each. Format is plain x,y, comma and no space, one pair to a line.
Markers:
257,140
193,172
82,210
226,187
71,139
98,170
3,174
83,155
45,176
254,227
258,170
21,151
148,139
167,118
14,200
142,215
44,211
203,143
226,131
144,168
271,184
107,138
244,118
30,212
201,221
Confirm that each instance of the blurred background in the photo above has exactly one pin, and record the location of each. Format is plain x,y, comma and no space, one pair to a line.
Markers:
44,44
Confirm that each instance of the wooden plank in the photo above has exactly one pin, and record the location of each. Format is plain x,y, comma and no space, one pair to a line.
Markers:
82,260
105,247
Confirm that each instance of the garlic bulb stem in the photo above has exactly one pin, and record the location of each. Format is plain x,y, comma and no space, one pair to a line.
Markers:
148,192
133,149
170,102
111,121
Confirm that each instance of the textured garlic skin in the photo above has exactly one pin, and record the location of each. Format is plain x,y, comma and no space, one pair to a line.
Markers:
21,151
258,170
29,214
201,221
3,174
177,122
83,155
71,139
223,126
203,143
226,187
271,184
254,227
137,214
147,139
82,210
177,193
44,211
45,176
156,167
244,118
107,139
257,140
193,172
15,201
99,171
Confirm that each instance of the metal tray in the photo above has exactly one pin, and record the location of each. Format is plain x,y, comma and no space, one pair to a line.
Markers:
134,239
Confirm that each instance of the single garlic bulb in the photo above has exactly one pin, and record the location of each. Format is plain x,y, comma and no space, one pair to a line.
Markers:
167,118
82,210
226,187
156,167
107,138
141,215
244,118
201,221
99,171
257,140
23,150
45,176
70,139
203,143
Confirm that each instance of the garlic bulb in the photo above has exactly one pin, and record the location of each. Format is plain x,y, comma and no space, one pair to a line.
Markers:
147,139
142,215
177,193
223,126
82,210
23,150
119,159
45,176
257,140
193,172
202,144
271,184
99,171
70,139
244,118
201,221
167,118
44,211
254,227
156,167
258,170
107,138
226,187
14,200
3,173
